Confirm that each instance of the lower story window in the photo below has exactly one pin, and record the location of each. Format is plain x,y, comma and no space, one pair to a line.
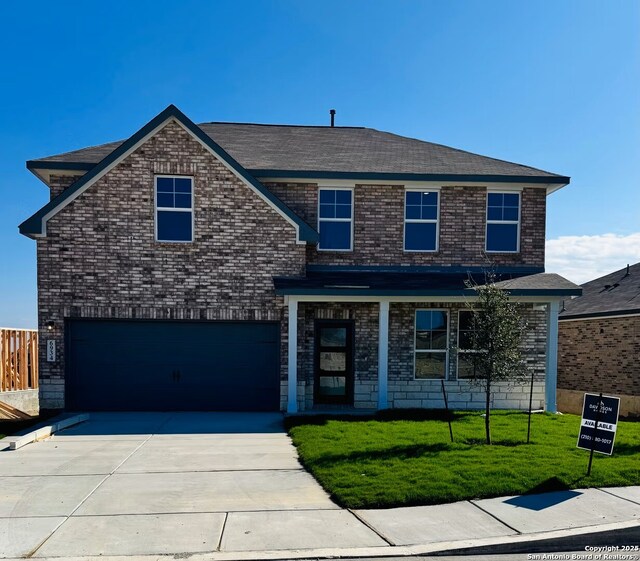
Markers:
431,344
467,366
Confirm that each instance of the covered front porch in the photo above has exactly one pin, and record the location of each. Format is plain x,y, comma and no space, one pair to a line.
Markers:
400,335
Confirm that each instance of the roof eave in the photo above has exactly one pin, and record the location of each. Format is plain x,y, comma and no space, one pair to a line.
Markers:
596,315
43,170
554,180
55,165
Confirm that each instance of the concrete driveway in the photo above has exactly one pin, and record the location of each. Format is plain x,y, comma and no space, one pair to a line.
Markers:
172,483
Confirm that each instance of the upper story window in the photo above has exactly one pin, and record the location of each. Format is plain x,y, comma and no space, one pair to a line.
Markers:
420,221
431,343
503,222
335,219
174,209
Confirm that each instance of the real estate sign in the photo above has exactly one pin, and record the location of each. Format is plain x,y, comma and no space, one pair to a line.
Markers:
603,410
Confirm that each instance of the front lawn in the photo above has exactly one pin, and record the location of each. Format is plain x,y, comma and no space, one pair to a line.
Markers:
403,458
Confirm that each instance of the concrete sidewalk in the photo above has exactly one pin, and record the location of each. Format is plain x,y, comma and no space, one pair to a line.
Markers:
214,486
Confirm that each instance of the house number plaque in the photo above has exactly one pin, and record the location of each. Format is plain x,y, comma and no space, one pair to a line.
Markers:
51,350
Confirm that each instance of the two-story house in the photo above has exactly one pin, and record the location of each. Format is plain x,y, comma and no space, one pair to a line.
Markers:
228,266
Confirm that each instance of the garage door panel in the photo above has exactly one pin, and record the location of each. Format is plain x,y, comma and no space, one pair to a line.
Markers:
157,365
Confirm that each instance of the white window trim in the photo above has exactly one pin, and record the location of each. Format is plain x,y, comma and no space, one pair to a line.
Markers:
420,221
459,350
516,222
415,340
350,220
168,209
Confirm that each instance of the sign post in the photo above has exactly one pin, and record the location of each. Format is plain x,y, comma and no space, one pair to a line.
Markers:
599,424
595,435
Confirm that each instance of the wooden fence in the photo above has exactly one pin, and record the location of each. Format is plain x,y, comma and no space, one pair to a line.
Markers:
18,359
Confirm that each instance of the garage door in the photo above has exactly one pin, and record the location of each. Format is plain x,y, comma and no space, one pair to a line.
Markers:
172,366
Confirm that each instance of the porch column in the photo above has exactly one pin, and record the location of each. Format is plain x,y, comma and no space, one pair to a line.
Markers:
551,378
292,357
383,354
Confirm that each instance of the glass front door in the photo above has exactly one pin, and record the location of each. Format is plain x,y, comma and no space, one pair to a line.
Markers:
334,362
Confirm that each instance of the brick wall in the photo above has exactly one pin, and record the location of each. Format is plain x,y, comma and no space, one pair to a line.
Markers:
600,355
365,318
301,198
100,258
378,227
58,183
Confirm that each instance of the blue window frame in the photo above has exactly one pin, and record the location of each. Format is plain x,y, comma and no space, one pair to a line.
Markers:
503,222
174,209
431,344
335,219
421,221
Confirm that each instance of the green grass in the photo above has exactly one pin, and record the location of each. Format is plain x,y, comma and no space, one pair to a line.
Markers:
402,459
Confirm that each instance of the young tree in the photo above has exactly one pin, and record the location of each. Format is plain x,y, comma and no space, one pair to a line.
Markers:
497,330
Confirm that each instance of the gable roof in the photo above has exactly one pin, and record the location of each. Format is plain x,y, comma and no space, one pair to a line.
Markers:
287,151
35,226
617,293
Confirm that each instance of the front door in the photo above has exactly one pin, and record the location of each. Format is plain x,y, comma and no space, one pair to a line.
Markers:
334,362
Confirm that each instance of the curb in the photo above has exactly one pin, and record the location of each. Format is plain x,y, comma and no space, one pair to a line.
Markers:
45,432
460,547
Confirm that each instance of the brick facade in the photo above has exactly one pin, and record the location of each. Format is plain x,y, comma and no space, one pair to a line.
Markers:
365,318
601,355
58,183
379,222
100,258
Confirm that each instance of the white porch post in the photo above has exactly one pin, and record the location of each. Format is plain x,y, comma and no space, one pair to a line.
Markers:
383,354
551,378
292,357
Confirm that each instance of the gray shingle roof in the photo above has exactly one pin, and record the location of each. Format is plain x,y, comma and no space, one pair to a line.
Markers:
540,281
327,149
614,293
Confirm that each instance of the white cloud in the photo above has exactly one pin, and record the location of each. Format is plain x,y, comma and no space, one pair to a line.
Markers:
584,258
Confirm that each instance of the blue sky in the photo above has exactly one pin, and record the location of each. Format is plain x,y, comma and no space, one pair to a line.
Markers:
555,85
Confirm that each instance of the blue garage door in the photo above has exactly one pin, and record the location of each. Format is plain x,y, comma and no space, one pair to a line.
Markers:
172,366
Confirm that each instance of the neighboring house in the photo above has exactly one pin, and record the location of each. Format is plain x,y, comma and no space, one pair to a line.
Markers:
258,267
599,342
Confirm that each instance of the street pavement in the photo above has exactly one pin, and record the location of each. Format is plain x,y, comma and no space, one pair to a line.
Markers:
229,486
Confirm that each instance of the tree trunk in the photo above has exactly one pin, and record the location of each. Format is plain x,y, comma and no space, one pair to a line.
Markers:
487,409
